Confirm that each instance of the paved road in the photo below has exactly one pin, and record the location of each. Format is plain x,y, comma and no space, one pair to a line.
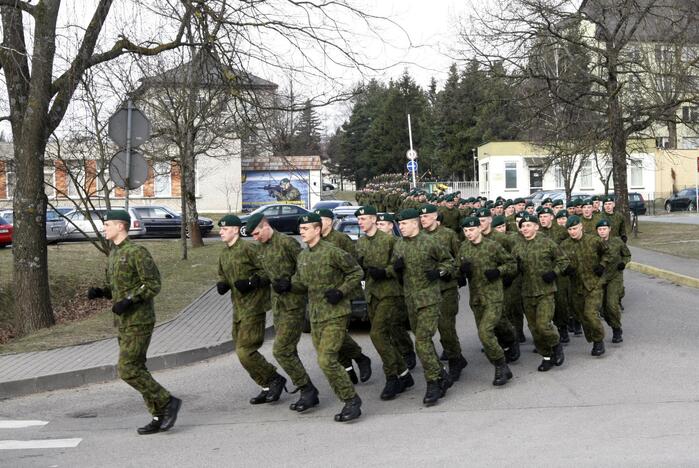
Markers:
675,218
636,406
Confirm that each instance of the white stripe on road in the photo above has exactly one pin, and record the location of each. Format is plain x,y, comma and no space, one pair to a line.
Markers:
38,444
5,424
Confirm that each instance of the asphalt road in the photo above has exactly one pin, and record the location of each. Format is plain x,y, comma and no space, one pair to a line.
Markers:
636,406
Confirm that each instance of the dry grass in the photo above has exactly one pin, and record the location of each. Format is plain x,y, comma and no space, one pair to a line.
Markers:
681,240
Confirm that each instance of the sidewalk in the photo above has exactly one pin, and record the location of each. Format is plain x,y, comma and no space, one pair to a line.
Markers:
679,270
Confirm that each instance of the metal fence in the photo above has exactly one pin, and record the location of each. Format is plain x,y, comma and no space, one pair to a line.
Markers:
467,188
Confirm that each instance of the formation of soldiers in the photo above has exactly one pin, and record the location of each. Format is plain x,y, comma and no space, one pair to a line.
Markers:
559,265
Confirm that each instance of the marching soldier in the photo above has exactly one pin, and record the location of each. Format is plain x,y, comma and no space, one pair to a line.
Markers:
613,279
589,217
617,223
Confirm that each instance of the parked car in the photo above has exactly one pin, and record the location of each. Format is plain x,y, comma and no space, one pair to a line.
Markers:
345,210
538,197
76,221
330,204
328,187
683,200
637,204
350,226
6,230
55,224
161,221
282,217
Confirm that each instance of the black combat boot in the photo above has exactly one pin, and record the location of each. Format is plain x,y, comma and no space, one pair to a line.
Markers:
152,427
261,398
391,389
276,386
433,393
443,356
502,373
170,413
577,328
406,381
364,364
520,336
410,359
597,348
616,335
445,381
558,356
456,366
563,332
308,398
546,364
352,374
352,410
512,352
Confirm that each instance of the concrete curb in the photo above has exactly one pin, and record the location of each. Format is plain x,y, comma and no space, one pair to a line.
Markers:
81,377
677,278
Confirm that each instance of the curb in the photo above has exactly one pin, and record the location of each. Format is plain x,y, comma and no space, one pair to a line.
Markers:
101,374
677,278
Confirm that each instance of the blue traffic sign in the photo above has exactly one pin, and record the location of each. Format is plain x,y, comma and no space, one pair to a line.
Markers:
412,166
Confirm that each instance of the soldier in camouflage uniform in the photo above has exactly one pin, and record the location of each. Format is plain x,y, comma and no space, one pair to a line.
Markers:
540,261
589,217
240,273
617,222
328,275
589,258
451,214
449,306
613,279
132,282
350,349
484,263
277,254
383,301
422,261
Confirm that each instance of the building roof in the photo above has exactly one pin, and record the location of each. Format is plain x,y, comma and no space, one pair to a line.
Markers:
281,163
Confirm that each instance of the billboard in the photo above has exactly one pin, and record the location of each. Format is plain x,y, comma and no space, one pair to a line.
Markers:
264,187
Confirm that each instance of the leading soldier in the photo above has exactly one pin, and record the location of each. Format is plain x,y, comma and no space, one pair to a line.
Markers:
613,279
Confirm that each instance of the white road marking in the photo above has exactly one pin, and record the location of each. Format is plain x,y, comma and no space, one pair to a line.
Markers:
6,424
38,444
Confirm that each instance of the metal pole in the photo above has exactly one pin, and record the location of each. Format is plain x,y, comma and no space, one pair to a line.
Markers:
696,188
410,137
473,152
129,111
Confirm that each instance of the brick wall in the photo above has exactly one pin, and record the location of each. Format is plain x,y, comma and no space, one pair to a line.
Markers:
3,181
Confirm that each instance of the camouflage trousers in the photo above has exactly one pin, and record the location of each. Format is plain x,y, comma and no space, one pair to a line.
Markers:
133,346
539,312
328,337
288,326
449,307
613,292
587,306
248,336
513,307
401,335
563,310
384,317
423,322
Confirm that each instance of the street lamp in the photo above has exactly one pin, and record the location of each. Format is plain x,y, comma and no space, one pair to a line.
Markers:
475,174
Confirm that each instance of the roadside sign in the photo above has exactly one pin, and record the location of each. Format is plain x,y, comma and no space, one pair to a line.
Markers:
137,173
119,125
411,154
412,166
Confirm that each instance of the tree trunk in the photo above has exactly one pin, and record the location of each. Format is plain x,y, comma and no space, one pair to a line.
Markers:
183,209
672,132
618,139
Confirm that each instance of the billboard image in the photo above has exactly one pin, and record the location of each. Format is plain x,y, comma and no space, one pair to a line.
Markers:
265,187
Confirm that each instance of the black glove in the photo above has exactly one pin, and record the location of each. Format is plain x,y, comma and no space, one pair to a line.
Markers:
549,277
466,269
461,281
334,296
222,287
121,307
621,266
599,270
399,265
257,282
432,275
95,293
244,286
281,285
446,277
569,271
507,280
377,273
492,274
624,238
360,260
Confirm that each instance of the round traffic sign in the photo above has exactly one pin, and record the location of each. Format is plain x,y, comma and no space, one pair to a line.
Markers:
411,154
137,174
412,166
140,127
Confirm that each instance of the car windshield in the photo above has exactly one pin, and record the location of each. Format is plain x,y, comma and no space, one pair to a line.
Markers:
351,228
327,204
52,216
6,218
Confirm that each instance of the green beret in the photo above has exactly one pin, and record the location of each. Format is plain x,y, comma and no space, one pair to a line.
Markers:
528,218
471,200
508,203
558,202
253,221
365,210
595,198
577,202
324,213
539,208
499,202
470,221
529,203
546,200
482,213
408,213
427,208
118,215
573,221
608,198
520,214
546,210
602,222
518,200
230,220
386,217
310,218
562,214
587,201
449,198
498,220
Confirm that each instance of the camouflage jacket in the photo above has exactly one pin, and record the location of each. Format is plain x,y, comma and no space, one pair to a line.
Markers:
585,254
277,257
617,224
422,253
556,232
618,253
341,240
590,224
534,258
450,240
508,241
486,255
376,251
131,272
324,267
240,262
451,218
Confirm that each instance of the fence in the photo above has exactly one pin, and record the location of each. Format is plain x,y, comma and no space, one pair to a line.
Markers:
657,202
467,188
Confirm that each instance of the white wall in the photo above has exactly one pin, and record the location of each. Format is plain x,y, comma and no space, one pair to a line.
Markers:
219,182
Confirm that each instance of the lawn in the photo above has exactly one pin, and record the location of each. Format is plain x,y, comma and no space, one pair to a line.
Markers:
75,266
676,239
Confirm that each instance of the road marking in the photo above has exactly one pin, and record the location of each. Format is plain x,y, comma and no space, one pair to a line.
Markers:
38,444
6,424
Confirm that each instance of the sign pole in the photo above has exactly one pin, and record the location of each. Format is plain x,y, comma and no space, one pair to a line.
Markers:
410,136
129,110
696,188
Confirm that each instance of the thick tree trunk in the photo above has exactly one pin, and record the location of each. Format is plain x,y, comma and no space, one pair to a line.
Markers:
618,139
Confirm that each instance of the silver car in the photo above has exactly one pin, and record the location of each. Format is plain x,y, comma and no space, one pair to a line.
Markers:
78,225
55,225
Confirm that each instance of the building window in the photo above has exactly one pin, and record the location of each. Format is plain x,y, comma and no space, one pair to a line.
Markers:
162,181
49,182
10,179
484,171
586,175
558,177
76,177
690,114
636,173
510,175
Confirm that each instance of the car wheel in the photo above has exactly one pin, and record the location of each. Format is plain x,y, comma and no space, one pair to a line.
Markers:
243,231
692,206
668,207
